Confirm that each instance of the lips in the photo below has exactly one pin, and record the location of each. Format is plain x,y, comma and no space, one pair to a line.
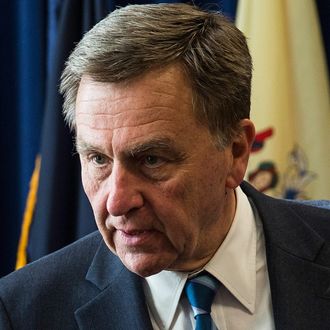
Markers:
135,238
133,232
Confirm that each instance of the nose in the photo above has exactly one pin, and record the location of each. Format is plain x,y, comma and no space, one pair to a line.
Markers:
123,191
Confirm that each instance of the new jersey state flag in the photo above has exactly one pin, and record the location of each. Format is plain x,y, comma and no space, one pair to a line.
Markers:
290,98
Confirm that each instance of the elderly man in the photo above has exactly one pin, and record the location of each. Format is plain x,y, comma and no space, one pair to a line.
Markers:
159,99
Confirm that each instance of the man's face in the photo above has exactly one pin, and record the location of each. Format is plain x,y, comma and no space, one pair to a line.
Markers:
155,179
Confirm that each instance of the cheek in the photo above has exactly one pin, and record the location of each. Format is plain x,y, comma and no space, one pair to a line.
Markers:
89,185
86,182
173,189
176,196
177,211
93,190
184,195
195,199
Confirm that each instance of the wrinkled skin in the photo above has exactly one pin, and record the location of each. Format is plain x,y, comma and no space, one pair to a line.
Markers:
161,190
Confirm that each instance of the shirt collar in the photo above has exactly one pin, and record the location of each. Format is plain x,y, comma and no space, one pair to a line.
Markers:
234,265
163,292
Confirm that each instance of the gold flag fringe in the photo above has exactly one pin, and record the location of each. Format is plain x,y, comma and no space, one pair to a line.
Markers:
28,216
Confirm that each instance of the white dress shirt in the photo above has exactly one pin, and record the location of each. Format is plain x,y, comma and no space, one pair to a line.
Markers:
243,301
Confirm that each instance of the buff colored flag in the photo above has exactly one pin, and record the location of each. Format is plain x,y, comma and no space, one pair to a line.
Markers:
290,98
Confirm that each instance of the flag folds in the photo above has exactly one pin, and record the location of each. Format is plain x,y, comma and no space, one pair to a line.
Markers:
290,96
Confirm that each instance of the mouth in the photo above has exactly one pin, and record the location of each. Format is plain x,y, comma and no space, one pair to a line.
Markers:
133,232
135,238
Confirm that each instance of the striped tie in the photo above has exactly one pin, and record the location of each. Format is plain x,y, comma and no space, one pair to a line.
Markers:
200,291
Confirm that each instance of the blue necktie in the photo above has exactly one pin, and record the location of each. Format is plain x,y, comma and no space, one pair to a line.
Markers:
200,291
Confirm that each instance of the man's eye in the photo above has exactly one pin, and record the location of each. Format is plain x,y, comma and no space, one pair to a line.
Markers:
98,159
151,161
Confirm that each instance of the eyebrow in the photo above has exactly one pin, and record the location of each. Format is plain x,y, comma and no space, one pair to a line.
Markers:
83,147
156,144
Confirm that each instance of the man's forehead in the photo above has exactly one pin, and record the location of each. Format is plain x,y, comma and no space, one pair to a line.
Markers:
162,79
159,95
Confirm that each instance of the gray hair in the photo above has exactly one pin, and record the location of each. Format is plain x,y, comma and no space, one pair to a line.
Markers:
138,38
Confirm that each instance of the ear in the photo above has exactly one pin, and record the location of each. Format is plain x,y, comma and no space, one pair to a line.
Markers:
240,151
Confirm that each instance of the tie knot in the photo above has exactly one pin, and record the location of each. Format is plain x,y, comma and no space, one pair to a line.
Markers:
200,291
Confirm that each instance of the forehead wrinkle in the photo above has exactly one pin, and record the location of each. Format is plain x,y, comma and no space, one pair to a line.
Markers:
118,127
114,99
103,122
152,108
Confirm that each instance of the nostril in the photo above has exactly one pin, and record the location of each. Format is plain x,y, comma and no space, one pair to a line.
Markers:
132,211
124,203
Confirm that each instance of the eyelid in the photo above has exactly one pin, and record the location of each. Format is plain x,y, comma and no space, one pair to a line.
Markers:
92,155
87,151
160,161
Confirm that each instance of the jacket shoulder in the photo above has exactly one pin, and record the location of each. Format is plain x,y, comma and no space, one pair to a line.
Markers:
49,288
314,213
60,261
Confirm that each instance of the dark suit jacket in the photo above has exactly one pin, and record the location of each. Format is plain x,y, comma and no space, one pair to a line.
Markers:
85,286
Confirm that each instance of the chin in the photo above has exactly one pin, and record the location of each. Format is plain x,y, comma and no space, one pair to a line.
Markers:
145,267
144,271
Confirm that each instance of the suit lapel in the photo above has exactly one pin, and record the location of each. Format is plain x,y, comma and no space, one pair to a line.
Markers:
298,260
120,303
